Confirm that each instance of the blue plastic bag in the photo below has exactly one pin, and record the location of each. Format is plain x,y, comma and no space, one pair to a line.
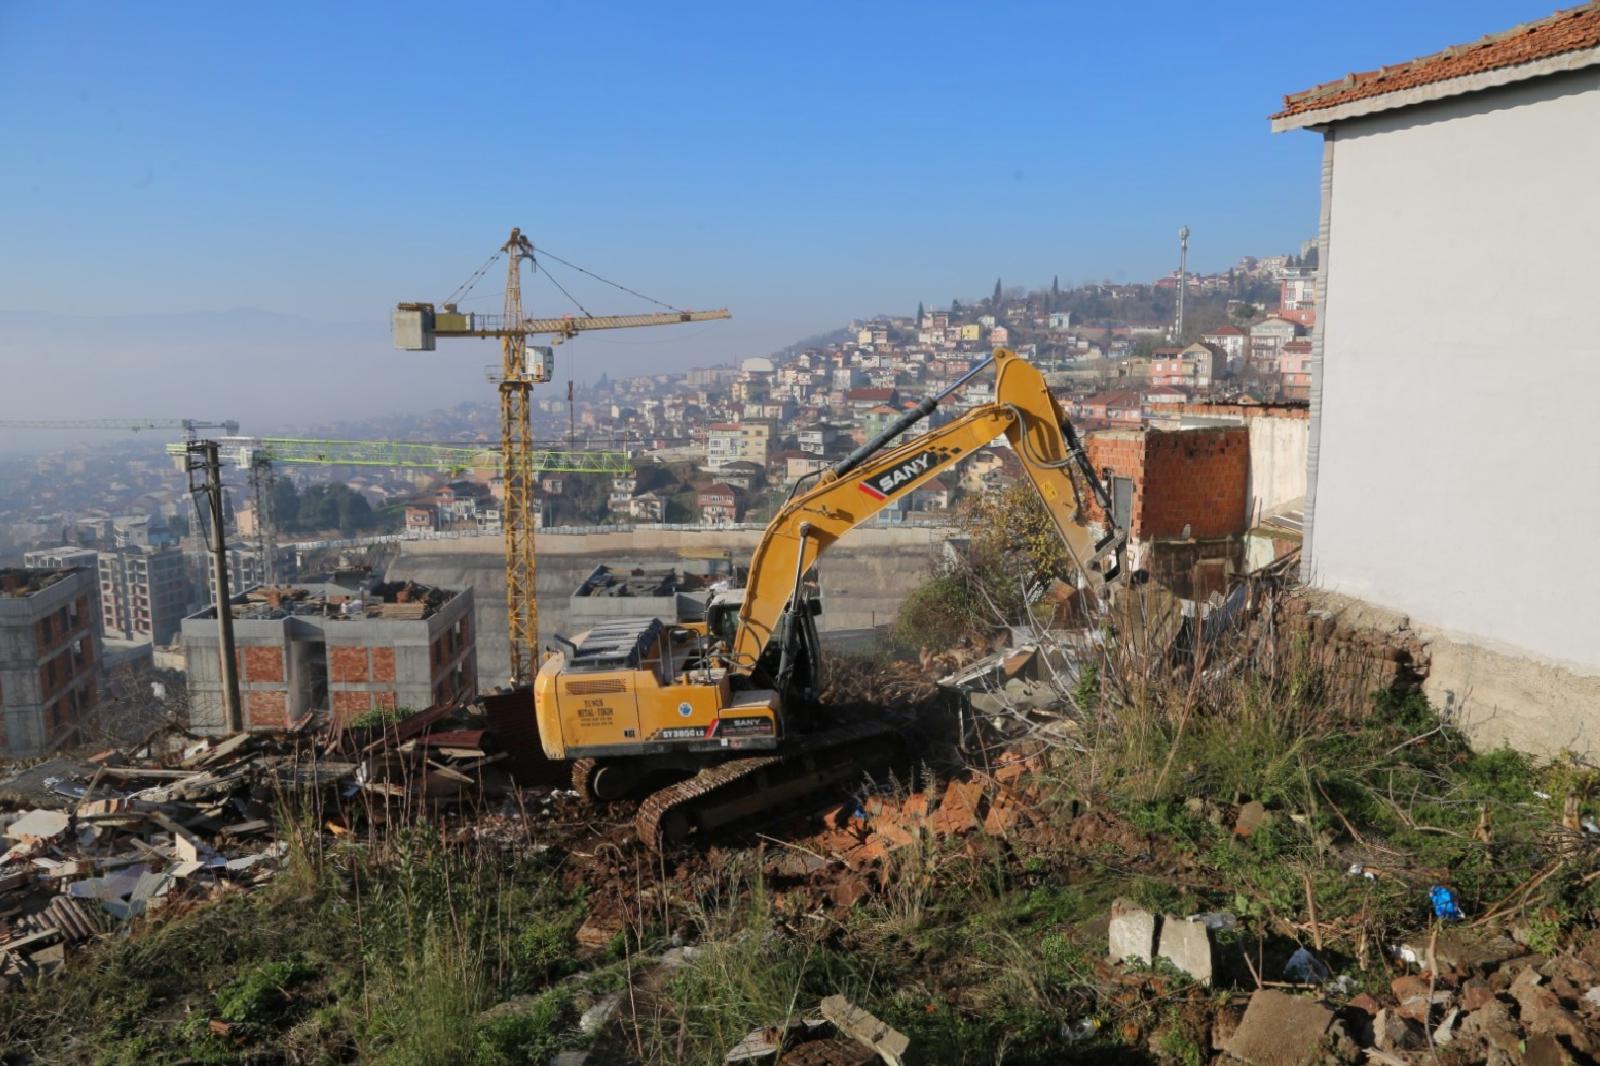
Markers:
1444,903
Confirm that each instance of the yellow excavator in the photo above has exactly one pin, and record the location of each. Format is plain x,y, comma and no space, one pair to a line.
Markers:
727,707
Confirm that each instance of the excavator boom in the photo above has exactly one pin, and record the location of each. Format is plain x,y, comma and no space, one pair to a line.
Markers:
855,490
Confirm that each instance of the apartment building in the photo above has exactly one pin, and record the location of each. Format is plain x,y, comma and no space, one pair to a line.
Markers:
143,592
49,657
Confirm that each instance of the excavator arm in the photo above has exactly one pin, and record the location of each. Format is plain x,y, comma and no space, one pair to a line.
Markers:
860,486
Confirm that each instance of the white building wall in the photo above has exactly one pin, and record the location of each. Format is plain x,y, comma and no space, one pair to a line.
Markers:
1458,454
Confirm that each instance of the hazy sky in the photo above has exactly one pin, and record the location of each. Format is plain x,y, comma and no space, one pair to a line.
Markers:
798,163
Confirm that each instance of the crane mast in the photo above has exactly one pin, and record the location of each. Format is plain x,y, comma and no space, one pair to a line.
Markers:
416,325
516,446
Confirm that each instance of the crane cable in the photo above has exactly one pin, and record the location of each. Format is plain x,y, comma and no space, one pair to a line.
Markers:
631,292
466,286
552,279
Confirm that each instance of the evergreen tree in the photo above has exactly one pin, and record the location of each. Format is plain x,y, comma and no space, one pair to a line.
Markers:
994,302
919,313
955,308
1055,292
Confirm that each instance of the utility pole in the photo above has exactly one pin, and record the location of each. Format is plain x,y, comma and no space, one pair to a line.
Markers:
202,457
1183,281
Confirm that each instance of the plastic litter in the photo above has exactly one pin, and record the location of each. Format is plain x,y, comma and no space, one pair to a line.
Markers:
1306,967
1357,870
1343,985
1084,1029
1216,921
1444,903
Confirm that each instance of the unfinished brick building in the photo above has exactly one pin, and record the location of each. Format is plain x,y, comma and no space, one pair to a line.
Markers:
346,645
49,656
1184,497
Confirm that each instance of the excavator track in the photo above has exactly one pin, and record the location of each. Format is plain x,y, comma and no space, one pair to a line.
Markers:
739,791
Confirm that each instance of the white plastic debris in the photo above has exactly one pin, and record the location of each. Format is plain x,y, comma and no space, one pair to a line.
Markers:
1216,921
1083,1029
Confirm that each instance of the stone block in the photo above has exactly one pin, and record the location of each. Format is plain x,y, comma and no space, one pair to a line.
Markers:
1281,1030
1187,945
1132,934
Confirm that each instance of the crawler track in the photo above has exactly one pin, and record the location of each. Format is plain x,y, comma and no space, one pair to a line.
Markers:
742,791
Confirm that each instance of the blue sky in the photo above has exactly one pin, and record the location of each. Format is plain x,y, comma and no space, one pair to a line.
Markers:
798,163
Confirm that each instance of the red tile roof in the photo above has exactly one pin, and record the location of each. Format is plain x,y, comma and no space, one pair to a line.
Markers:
1572,30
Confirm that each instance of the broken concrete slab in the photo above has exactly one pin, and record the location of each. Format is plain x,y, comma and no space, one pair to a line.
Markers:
1187,945
1132,934
1281,1030
595,1018
39,825
861,1026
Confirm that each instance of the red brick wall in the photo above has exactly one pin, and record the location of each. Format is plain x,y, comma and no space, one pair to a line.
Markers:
265,709
1197,478
349,704
1122,453
383,665
348,665
263,664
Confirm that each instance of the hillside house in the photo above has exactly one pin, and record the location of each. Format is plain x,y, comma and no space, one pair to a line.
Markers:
1458,221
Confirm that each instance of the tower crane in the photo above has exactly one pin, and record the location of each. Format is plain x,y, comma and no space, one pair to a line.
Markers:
191,427
416,325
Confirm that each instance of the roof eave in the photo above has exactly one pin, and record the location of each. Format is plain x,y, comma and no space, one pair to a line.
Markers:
1439,90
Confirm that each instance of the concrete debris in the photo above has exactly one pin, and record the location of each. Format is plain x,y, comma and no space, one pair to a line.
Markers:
1186,944
595,1018
1137,934
1132,933
1279,1029
890,1044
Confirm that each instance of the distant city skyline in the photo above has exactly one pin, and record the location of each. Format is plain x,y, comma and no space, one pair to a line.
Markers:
801,167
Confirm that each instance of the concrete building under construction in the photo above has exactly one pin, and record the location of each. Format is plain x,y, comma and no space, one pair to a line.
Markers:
49,657
345,644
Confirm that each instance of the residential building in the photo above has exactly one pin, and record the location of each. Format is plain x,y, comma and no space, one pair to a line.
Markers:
458,502
932,495
64,557
1234,343
49,657
1060,320
1295,367
733,442
718,505
1114,405
647,507
143,592
346,644
1457,236
1297,290
1267,339
421,518
743,476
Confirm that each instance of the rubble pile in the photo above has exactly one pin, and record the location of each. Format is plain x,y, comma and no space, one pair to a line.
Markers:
101,841
94,842
857,837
